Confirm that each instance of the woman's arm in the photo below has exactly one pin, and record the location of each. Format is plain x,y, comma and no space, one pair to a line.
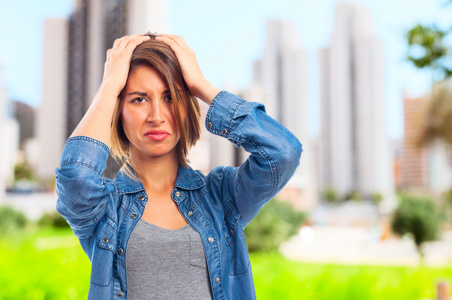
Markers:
274,150
83,193
274,154
96,122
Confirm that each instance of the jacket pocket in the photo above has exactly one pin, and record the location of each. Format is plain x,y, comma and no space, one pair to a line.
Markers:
236,249
103,255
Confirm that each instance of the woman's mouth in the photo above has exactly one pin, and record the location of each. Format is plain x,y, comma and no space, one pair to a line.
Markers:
157,135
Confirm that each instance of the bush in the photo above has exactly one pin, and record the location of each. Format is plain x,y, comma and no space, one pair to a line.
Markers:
53,219
353,196
417,216
24,171
11,220
330,195
376,197
274,224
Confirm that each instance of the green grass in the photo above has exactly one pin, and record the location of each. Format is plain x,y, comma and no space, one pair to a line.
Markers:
278,278
50,264
33,266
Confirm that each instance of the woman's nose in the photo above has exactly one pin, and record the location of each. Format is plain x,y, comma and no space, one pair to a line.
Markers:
156,113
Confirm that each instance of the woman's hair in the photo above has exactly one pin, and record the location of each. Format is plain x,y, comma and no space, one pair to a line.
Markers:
156,54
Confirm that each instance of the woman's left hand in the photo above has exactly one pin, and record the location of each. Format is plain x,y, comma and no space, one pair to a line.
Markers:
198,85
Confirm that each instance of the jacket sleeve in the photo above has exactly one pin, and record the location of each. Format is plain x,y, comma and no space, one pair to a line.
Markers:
274,152
82,192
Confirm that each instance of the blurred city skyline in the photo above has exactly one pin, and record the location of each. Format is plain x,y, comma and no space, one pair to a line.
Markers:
228,37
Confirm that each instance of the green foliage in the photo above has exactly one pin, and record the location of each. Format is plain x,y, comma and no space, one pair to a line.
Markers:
53,219
24,171
417,216
275,223
427,49
447,206
11,220
376,197
354,196
330,195
448,195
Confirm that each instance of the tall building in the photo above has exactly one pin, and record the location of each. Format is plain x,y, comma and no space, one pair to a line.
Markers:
281,74
414,159
355,153
51,117
423,167
91,31
9,131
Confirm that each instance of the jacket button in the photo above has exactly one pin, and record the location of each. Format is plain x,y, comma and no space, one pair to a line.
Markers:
209,125
190,213
177,194
141,197
224,131
210,239
217,279
120,251
134,216
105,240
121,294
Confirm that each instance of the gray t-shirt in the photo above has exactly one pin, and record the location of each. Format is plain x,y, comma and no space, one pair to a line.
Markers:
166,264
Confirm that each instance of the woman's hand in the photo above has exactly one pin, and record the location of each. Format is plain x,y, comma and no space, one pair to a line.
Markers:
117,65
198,85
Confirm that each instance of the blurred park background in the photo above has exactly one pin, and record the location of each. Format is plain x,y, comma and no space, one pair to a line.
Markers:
364,84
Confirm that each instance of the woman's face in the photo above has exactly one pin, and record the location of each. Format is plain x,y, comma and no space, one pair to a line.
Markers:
147,114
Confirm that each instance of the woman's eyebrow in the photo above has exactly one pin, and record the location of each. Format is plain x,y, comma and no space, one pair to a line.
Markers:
138,93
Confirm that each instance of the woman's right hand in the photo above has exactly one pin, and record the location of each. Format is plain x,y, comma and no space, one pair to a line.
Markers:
116,69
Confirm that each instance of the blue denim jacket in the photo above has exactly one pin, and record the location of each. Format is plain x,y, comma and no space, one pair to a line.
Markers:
103,212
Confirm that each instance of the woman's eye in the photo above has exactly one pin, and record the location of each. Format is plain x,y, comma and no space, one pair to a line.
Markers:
139,100
168,99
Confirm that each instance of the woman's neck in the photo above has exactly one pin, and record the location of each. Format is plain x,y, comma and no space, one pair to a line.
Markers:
157,173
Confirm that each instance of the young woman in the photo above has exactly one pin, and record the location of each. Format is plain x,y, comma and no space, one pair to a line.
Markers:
161,230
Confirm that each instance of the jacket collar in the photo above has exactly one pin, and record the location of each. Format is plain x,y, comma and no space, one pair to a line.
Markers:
187,179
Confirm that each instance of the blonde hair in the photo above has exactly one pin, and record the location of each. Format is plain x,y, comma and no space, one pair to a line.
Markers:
158,55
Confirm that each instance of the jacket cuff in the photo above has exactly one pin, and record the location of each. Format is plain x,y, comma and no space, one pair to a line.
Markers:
221,113
86,151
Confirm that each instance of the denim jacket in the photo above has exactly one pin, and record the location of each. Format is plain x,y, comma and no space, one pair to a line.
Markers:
103,212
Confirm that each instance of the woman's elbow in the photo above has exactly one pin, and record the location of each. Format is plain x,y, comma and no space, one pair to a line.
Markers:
291,154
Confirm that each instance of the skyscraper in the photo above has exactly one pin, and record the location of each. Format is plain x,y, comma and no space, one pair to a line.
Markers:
9,131
414,160
93,27
91,31
354,149
281,74
51,117
423,167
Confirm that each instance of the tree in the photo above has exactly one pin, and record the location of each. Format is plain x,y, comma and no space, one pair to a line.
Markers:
417,216
275,223
438,118
428,49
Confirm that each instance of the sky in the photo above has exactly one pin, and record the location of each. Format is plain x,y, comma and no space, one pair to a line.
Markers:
228,36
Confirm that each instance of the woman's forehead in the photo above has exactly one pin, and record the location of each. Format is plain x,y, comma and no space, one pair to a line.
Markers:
145,78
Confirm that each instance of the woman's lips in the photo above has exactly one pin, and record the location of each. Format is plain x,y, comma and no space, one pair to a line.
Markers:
157,135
